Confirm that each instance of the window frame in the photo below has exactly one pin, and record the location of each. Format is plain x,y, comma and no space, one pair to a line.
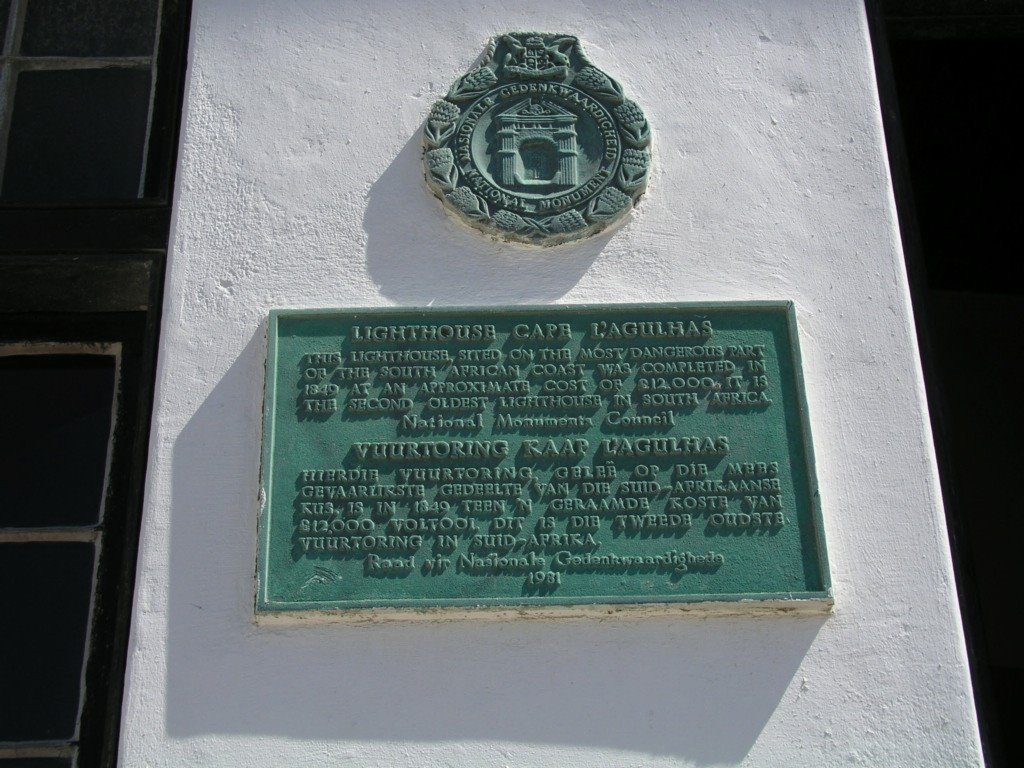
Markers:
110,613
129,225
93,272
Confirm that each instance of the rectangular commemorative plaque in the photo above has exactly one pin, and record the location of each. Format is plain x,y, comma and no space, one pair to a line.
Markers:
538,456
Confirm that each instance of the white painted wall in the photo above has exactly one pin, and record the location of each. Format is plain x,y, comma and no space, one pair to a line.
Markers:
300,186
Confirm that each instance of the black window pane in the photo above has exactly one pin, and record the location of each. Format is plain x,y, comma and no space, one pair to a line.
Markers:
77,134
35,762
55,411
956,109
45,605
5,11
89,28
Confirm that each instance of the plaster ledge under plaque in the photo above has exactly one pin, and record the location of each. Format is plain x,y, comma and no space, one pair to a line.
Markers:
538,461
536,144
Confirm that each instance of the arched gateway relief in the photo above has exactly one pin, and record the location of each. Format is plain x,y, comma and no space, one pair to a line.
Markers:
537,145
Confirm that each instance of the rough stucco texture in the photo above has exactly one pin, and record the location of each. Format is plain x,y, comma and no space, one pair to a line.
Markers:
299,186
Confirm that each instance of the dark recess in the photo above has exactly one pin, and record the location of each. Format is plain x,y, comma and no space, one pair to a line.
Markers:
82,253
949,79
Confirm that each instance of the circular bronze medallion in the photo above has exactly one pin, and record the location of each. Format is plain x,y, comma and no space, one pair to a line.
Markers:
537,145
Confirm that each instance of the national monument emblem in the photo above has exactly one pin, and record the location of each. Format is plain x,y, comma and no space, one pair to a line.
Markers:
536,144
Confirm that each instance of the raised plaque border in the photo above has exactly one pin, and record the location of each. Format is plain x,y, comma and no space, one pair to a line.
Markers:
756,603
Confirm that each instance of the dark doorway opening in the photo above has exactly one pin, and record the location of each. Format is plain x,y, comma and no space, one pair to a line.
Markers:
540,159
951,93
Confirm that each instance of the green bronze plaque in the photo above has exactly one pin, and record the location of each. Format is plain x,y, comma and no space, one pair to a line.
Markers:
538,456
536,144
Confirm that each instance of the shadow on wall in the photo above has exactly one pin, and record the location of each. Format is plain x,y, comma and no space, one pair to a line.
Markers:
701,689
420,255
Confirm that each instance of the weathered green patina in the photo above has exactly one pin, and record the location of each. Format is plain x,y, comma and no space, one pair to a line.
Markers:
422,458
536,144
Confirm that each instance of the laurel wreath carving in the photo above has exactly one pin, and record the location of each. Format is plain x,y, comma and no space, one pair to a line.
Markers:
440,123
633,170
441,167
633,124
599,84
473,84
444,175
